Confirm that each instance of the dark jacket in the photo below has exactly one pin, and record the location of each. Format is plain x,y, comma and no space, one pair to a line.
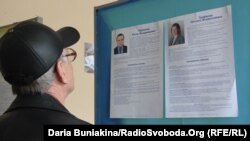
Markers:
179,40
125,50
26,116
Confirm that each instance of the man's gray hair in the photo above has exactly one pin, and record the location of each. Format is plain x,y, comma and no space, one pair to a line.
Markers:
42,84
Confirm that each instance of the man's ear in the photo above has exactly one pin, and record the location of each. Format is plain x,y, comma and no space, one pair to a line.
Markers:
61,71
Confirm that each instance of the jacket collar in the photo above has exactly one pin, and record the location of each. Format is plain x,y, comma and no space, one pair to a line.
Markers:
37,100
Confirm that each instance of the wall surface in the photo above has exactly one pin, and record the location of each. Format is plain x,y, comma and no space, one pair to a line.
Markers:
57,14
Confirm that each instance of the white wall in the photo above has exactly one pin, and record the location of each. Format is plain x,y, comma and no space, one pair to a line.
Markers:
57,14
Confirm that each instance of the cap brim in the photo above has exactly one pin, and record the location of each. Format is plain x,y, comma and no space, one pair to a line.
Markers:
69,36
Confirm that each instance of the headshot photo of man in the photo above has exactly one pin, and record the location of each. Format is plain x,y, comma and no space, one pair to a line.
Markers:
120,48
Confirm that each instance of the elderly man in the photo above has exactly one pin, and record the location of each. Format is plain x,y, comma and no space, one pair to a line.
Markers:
35,60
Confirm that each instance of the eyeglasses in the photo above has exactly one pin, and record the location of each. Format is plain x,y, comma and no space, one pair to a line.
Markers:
71,54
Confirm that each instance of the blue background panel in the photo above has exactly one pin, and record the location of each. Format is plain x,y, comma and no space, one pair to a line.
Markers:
135,12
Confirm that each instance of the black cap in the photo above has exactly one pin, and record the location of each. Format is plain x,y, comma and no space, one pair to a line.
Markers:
30,49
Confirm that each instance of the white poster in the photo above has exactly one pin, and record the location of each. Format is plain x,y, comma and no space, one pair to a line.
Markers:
200,77
136,72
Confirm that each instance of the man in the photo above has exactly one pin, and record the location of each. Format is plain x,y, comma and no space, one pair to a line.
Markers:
35,61
120,48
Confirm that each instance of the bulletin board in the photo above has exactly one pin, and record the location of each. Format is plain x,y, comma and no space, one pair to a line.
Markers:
127,13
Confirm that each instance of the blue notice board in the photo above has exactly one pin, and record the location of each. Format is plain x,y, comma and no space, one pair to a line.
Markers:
134,12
